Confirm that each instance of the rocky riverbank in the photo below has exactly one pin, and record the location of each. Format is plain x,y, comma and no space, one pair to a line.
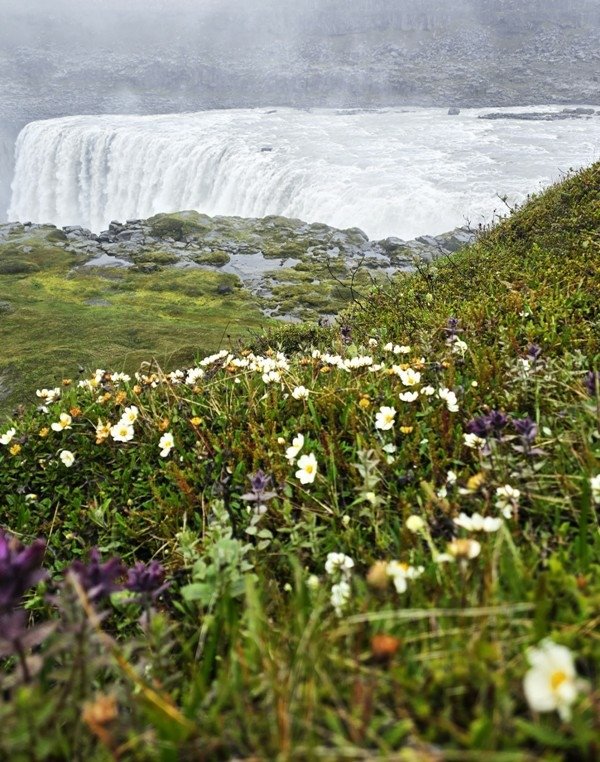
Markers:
285,263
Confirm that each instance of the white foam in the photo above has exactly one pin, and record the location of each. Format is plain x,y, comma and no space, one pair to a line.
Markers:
393,172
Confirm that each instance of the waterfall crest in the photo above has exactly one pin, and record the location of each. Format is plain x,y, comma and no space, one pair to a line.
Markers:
393,172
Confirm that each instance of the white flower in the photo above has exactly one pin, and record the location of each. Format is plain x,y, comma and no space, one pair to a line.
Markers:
67,458
473,441
307,469
408,396
400,572
401,350
122,432
166,444
428,391
130,415
477,523
372,343
193,375
409,377
389,448
415,523
459,347
384,419
595,487
313,582
507,500
300,393
7,437
465,549
340,595
49,395
64,422
551,683
450,399
271,377
296,446
339,562
451,478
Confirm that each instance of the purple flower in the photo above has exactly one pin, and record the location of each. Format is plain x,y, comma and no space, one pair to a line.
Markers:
147,580
451,328
526,428
260,492
346,334
533,352
20,569
592,382
97,579
490,425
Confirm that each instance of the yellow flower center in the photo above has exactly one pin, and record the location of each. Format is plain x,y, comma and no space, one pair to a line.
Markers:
557,679
309,468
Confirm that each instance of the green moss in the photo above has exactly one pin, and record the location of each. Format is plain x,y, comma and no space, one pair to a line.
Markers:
216,258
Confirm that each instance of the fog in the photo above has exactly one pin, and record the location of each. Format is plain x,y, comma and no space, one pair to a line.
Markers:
64,57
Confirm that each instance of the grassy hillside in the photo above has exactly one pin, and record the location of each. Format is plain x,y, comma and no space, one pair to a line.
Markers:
415,577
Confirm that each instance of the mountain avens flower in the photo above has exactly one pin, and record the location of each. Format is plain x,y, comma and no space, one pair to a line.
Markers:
384,418
67,458
307,468
551,683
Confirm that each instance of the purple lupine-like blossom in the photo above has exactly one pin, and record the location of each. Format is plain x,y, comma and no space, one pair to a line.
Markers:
533,352
260,484
146,580
20,569
451,328
490,425
98,579
526,428
592,382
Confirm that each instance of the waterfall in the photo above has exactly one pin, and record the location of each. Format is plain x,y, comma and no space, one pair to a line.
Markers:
393,172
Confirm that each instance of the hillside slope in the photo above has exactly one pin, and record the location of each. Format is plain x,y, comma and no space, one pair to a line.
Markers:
381,544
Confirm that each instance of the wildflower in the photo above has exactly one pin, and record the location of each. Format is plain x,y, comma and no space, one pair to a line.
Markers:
260,492
384,419
465,549
428,391
271,376
406,429
408,396
451,478
195,421
459,347
297,444
533,352
15,449
400,572
473,441
122,432
372,343
451,327
43,432
300,393
409,377
526,428
592,383
491,424
48,395
7,437
166,444
313,582
102,431
364,403
595,487
415,524
477,523
551,682
147,580
20,569
97,579
130,415
307,469
339,563
67,458
449,398
507,500
340,595
64,422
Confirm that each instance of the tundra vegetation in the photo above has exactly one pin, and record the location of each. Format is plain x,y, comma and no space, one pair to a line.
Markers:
374,541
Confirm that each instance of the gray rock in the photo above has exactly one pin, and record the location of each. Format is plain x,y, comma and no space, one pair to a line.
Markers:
453,111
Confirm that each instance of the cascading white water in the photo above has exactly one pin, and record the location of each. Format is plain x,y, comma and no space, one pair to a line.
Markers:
392,172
